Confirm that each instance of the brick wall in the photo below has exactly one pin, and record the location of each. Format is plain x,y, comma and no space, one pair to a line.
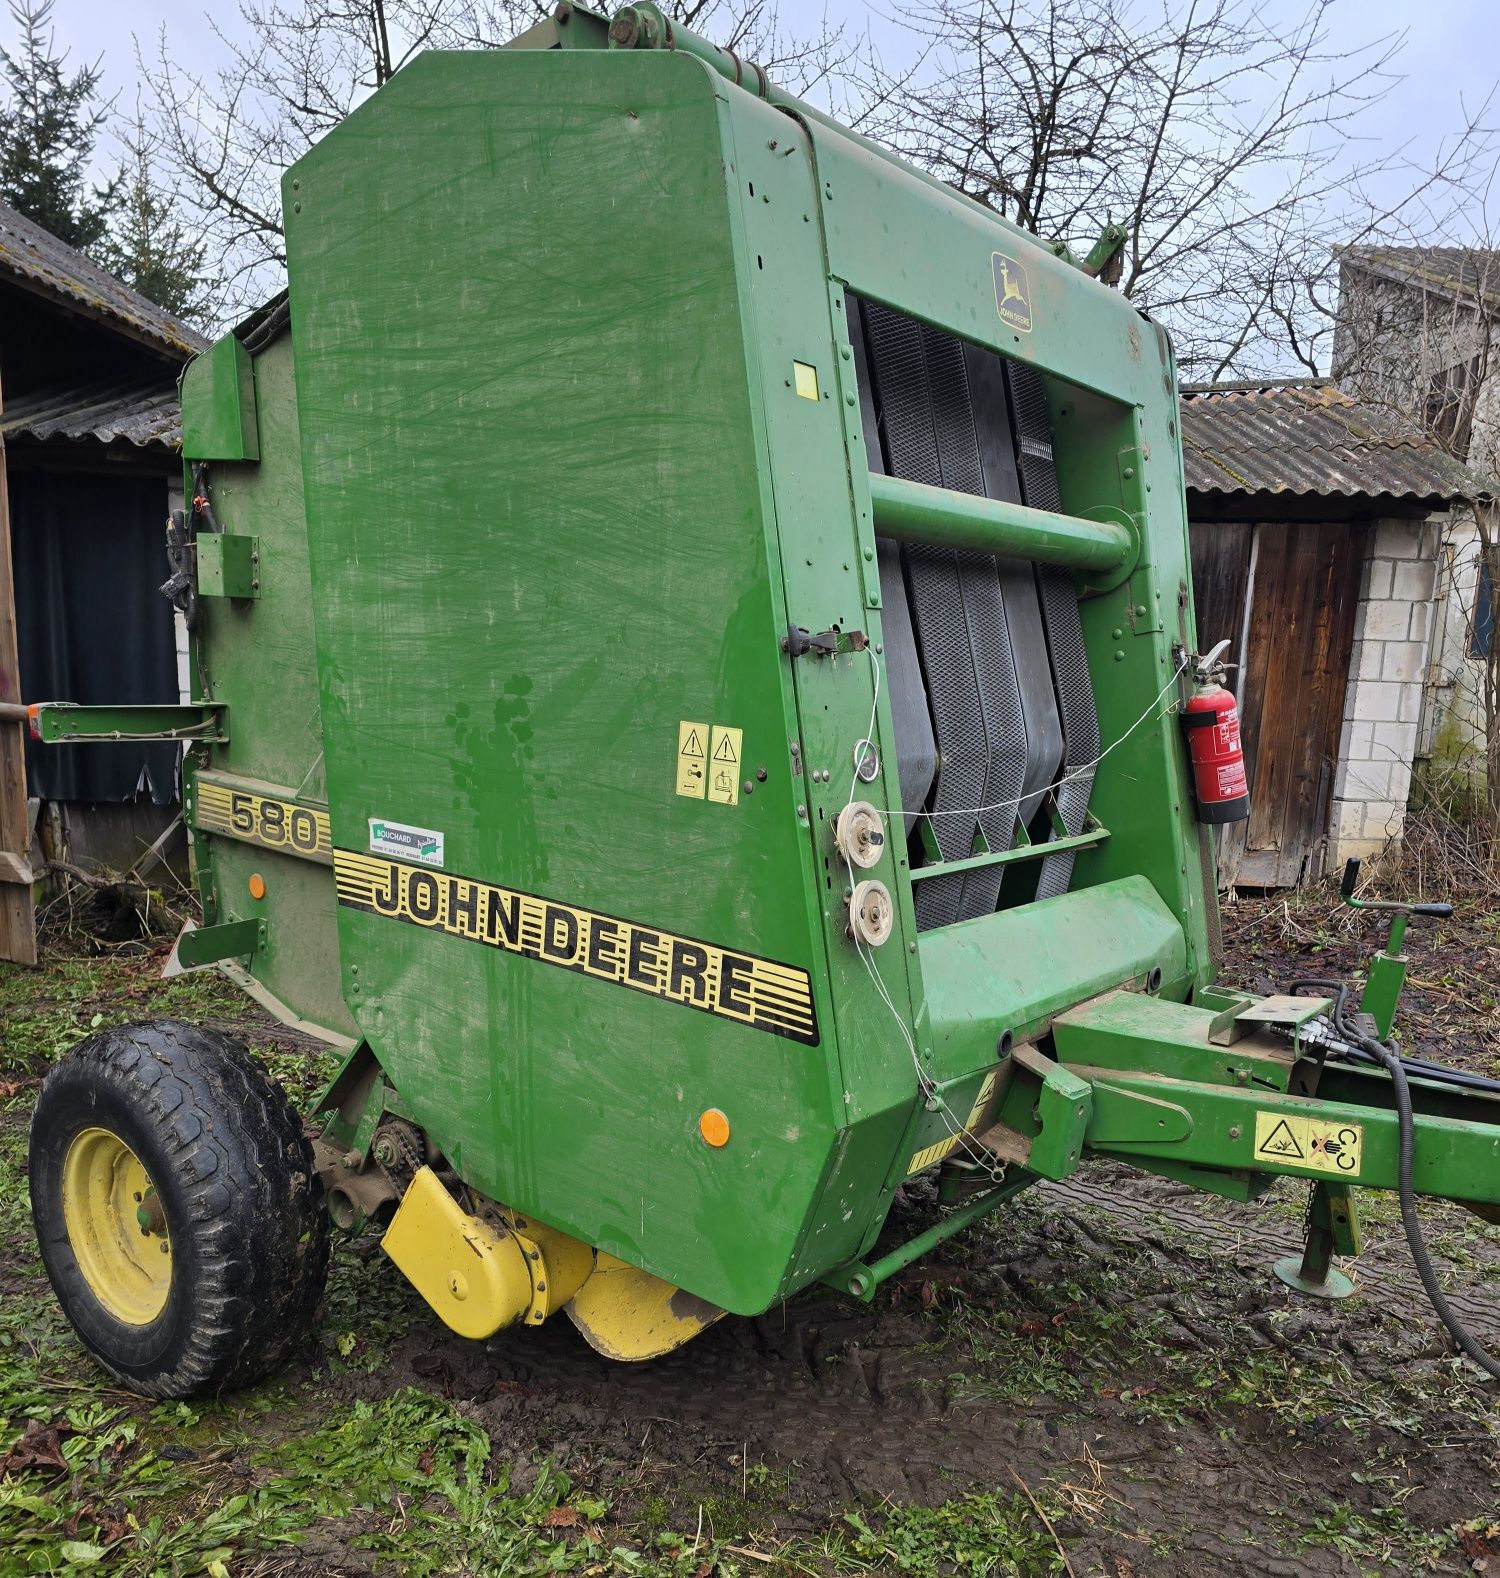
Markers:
1383,703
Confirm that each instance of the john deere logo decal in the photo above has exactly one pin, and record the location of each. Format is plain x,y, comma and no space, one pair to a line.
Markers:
726,982
1012,293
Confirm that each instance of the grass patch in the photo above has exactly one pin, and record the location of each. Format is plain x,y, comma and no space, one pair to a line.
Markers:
411,1473
985,1535
44,1014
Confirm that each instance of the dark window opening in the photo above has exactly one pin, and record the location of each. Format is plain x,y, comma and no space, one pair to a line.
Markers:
1483,636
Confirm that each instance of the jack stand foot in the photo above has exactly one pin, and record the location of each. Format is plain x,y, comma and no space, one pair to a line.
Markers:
1335,1285
1332,1229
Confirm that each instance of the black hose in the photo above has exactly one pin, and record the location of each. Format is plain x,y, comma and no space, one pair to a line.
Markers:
1445,1311
1433,1073
1393,1065
1419,1068
1398,1067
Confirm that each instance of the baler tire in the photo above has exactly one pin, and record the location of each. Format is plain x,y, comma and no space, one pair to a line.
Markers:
187,1114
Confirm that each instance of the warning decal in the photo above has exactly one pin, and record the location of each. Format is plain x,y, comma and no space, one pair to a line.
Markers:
946,1147
692,759
724,765
1313,1144
725,982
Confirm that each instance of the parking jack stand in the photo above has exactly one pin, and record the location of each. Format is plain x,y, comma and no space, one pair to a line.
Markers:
1332,1228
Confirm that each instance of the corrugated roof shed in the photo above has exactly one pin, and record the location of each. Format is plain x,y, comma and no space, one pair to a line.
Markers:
1305,439
1465,272
145,414
39,261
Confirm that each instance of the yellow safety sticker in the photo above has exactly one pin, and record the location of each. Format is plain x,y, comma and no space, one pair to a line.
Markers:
945,1147
725,751
726,982
262,819
1315,1144
806,378
692,759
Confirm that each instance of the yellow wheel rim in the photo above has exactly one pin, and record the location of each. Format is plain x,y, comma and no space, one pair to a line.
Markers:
116,1227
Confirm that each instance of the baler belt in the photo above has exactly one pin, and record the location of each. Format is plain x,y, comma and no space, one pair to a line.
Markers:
989,686
1034,728
1059,600
898,363
916,750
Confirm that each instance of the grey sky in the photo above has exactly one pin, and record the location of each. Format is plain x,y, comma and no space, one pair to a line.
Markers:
1451,51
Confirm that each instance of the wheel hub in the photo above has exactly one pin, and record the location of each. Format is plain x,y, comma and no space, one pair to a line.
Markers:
116,1227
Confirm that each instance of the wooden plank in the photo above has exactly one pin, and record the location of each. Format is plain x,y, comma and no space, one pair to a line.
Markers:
14,869
1221,568
1306,589
17,912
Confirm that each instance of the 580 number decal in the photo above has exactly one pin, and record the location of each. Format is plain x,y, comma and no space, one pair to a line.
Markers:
261,819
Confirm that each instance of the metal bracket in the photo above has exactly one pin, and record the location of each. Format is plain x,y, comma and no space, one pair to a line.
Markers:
1281,1012
210,944
1125,1117
1061,1111
827,643
228,565
61,722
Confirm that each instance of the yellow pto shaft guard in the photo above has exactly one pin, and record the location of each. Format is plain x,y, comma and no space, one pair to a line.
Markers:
478,1278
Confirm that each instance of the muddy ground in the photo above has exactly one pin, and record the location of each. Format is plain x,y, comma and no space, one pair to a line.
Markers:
1103,1379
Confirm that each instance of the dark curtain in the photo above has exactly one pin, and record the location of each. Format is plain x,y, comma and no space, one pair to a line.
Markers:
88,557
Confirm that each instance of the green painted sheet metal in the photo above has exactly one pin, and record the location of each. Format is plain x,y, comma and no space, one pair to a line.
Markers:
219,415
525,580
527,575
228,565
1455,1159
259,660
1011,973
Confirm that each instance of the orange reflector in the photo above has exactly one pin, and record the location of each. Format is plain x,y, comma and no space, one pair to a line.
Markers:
257,885
714,1127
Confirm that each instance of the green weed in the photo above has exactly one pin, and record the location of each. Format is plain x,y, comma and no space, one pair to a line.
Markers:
986,1535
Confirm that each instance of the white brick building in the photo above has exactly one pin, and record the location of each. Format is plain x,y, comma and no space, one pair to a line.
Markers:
1417,335
1317,528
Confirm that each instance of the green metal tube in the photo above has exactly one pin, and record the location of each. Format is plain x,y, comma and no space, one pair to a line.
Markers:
914,512
861,1280
58,722
1011,857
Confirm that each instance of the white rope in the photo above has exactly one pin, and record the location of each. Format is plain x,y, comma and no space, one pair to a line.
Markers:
864,751
1078,772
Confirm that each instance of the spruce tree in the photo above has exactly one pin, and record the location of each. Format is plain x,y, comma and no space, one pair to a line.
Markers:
147,247
49,124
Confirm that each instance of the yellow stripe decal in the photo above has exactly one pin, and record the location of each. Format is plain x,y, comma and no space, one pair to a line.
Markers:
936,1153
722,981
282,825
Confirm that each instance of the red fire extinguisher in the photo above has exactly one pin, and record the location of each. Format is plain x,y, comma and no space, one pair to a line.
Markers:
1212,725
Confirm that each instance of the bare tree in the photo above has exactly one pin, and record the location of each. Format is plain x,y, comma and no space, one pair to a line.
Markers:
1221,138
294,69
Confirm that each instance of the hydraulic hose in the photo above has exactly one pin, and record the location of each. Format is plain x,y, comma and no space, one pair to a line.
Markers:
1398,1067
1407,1193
